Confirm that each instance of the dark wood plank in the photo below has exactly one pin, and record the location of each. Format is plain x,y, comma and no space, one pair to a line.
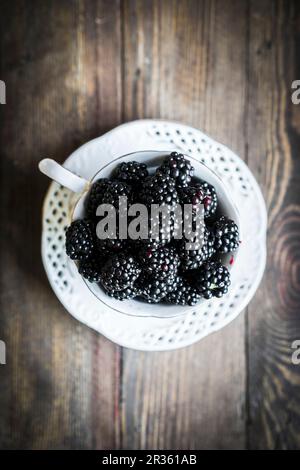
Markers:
61,64
273,138
183,61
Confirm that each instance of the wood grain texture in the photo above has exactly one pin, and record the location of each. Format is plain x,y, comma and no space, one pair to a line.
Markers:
60,384
75,69
176,56
274,322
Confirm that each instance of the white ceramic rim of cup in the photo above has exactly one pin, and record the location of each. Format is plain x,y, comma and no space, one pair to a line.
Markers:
152,310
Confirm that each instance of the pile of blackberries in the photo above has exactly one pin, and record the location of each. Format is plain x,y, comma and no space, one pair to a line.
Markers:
160,268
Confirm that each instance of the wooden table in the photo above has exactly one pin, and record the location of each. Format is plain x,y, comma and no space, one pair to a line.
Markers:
73,70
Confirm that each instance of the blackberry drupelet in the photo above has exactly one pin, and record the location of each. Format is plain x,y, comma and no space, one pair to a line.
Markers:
126,294
200,192
184,294
119,272
162,263
131,173
226,234
90,269
177,167
95,196
80,238
212,280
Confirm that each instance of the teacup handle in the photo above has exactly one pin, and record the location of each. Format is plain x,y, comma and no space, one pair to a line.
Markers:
63,176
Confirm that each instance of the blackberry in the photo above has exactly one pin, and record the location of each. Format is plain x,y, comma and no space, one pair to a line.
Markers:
126,294
110,195
184,294
153,290
95,196
119,272
131,172
112,242
159,189
159,230
177,167
210,244
204,250
80,239
115,190
226,234
161,264
212,280
90,269
200,192
193,227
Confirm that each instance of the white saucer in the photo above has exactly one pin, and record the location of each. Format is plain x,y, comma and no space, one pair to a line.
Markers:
156,334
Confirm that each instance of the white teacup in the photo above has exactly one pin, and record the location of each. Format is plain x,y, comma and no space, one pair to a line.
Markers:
153,159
